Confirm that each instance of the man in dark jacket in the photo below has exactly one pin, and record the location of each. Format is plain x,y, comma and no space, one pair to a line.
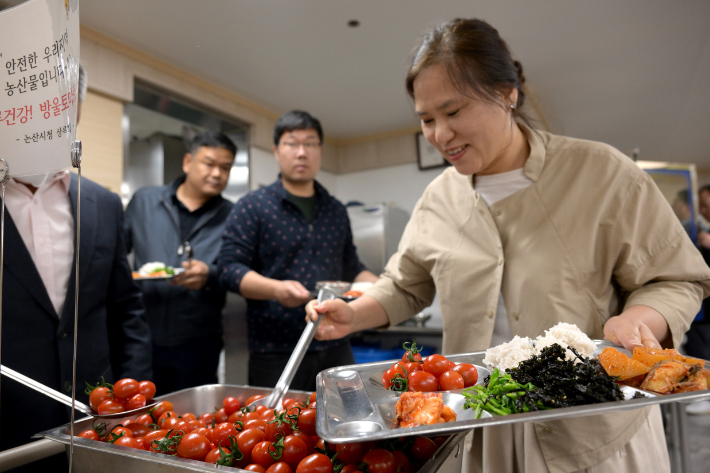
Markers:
38,331
181,225
39,285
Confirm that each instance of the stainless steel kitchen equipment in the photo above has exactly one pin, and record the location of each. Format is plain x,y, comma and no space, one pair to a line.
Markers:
93,456
338,287
156,127
377,229
100,457
352,404
154,161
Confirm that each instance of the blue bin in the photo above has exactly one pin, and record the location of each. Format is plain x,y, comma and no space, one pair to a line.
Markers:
371,355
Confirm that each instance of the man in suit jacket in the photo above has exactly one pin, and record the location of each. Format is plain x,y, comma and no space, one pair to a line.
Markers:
38,302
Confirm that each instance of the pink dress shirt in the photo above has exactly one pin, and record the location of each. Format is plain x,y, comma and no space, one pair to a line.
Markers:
45,222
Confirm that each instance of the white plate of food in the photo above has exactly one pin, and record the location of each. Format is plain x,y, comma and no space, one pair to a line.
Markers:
156,270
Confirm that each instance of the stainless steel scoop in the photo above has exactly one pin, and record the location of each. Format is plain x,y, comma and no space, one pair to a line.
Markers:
274,399
64,399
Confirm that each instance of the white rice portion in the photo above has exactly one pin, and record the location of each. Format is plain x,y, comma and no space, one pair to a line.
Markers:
148,268
566,335
509,355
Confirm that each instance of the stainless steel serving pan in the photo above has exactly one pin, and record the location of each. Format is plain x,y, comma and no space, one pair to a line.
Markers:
91,456
101,457
352,404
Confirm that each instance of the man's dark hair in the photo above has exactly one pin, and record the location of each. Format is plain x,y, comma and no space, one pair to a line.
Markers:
705,188
212,139
296,120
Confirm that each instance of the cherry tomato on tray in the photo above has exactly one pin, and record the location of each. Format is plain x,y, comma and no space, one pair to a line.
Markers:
125,388
468,372
379,461
436,365
421,381
451,380
193,446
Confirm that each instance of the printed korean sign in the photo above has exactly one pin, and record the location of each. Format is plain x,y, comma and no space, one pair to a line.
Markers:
39,85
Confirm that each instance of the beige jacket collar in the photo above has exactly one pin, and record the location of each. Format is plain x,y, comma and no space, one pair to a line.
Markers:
538,150
536,160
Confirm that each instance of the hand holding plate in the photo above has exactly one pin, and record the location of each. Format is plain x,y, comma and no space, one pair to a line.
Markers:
194,277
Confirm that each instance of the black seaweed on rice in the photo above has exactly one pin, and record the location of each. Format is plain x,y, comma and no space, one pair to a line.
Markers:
564,383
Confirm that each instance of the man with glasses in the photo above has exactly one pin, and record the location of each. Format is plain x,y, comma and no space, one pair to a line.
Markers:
278,242
181,225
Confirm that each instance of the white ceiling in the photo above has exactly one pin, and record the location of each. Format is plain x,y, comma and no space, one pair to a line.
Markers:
632,73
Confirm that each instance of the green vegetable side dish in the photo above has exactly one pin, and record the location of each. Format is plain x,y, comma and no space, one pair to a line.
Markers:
169,270
545,381
500,395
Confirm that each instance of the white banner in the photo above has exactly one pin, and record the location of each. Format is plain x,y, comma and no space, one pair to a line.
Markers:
39,85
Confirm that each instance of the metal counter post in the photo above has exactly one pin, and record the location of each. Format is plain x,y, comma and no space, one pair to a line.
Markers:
76,162
4,177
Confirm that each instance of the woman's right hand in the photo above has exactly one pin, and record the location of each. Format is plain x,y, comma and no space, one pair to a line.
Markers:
338,318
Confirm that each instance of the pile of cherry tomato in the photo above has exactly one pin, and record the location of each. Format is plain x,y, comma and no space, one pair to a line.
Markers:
124,395
262,440
433,373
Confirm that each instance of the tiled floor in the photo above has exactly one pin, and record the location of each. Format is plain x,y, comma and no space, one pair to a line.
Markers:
698,444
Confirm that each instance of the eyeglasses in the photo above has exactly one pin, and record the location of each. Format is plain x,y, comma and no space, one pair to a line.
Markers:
294,145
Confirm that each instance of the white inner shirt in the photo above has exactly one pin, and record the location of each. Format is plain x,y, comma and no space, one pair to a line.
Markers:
45,222
493,188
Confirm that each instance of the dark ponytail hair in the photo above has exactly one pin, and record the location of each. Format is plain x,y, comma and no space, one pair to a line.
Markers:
476,58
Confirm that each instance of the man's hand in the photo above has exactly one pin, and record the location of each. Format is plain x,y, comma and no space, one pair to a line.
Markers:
637,326
291,293
704,239
338,318
194,277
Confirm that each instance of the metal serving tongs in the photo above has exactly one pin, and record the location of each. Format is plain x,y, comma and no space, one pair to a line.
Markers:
66,400
274,399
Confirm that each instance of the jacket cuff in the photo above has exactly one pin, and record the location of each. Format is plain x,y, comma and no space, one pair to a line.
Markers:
398,306
213,278
230,276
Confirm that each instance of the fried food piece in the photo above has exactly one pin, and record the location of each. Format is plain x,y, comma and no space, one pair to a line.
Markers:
619,365
665,375
634,382
695,361
671,376
650,356
673,353
416,408
448,414
693,384
706,374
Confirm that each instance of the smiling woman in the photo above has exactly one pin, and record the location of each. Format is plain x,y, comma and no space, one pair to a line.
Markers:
476,136
528,229
467,92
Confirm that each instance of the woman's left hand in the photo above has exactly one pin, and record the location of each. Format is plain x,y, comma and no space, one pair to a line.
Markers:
638,326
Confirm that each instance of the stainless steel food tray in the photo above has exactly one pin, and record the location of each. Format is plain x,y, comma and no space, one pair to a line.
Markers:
353,405
91,456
